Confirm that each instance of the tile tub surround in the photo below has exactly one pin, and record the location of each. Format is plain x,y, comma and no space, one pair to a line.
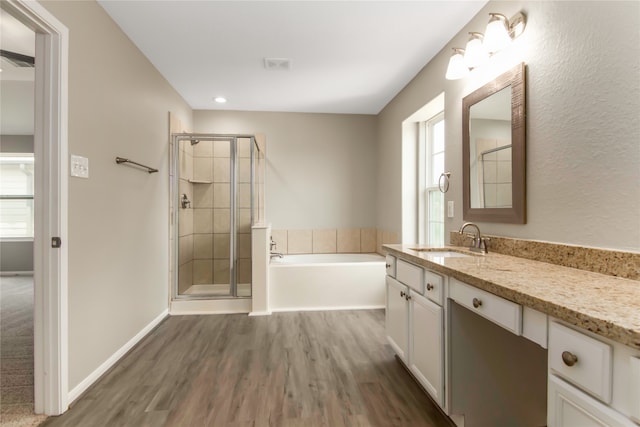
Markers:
605,261
331,241
606,305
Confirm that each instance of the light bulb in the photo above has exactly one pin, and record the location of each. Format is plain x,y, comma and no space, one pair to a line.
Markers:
496,36
457,68
474,53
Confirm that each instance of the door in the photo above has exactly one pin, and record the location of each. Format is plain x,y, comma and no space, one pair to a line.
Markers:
397,317
427,345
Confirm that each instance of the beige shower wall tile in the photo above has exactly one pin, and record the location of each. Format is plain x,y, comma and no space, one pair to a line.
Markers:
185,277
348,240
203,149
221,196
244,170
221,169
244,220
202,272
185,249
368,237
244,270
203,221
221,271
221,149
221,246
221,220
324,241
299,241
202,169
203,246
244,195
202,195
185,222
185,166
280,237
244,147
244,245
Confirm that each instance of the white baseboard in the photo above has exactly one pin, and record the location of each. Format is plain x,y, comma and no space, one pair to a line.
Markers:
328,308
260,313
115,357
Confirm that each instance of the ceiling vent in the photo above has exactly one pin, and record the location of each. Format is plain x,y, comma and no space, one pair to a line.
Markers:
277,64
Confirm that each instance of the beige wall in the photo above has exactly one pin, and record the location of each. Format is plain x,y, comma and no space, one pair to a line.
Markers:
118,218
320,167
583,157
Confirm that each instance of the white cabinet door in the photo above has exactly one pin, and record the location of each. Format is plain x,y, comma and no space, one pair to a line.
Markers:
427,345
570,407
397,317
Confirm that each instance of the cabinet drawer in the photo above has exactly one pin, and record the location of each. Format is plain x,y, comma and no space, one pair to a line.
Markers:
411,275
568,407
500,311
433,286
581,360
391,265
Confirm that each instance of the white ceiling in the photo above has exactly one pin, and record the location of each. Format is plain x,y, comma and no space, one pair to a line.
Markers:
16,83
347,56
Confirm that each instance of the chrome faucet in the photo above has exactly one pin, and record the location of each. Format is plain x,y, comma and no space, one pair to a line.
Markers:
478,243
272,246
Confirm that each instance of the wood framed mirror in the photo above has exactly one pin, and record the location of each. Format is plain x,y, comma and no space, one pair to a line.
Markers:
493,150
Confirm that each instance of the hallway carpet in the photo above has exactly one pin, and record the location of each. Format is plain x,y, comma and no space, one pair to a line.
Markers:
16,352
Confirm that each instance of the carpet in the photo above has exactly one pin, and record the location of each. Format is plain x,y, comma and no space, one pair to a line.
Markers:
16,353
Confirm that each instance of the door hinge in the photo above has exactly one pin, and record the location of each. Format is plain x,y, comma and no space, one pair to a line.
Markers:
56,242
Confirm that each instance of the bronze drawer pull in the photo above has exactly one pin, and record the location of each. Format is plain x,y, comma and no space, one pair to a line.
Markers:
569,358
476,303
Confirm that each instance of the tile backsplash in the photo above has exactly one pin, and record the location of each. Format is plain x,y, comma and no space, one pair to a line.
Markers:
326,241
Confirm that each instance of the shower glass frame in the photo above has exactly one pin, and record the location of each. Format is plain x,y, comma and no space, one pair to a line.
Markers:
175,189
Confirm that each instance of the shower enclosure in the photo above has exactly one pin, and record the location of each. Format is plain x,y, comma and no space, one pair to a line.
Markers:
218,194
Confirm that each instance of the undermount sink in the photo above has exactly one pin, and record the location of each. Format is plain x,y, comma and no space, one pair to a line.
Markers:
444,252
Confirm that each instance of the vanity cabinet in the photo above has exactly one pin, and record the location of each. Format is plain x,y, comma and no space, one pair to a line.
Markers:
415,324
591,380
426,345
397,318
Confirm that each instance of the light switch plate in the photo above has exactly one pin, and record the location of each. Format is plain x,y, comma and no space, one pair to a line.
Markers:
79,166
450,209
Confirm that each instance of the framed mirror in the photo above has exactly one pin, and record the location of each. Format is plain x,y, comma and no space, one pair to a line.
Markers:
493,150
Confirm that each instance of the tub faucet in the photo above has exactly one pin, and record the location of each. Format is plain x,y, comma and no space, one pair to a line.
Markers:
478,243
272,246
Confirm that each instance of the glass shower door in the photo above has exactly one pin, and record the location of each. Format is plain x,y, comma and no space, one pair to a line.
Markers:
214,225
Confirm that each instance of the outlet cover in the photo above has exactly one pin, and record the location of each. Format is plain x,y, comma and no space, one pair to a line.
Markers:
79,166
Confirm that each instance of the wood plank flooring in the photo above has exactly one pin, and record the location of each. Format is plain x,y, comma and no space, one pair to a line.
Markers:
290,369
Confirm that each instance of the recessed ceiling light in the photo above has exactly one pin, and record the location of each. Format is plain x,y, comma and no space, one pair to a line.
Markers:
220,99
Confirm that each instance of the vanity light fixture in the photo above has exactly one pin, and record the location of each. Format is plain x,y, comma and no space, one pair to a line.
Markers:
474,53
457,68
499,34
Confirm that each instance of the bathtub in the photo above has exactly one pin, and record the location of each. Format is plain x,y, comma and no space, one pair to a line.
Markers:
326,282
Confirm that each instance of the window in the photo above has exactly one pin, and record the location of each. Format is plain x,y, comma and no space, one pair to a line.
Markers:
433,136
16,195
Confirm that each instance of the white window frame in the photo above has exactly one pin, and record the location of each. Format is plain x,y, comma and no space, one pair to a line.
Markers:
425,187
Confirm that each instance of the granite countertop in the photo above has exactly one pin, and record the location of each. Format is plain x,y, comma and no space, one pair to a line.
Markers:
606,305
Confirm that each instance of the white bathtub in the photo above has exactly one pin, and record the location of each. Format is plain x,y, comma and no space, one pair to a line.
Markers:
326,282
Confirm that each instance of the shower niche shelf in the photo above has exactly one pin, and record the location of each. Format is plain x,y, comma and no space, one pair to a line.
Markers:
200,181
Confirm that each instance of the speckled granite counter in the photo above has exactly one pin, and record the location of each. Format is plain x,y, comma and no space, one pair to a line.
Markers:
606,305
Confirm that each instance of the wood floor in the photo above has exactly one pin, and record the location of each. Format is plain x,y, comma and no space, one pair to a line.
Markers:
289,369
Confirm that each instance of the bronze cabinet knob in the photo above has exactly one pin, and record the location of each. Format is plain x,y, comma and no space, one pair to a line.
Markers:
429,286
569,358
476,303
